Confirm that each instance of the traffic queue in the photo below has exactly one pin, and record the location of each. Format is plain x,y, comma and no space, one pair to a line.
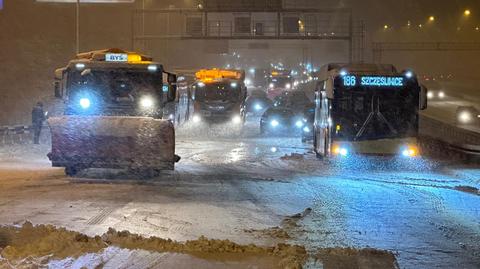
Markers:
220,96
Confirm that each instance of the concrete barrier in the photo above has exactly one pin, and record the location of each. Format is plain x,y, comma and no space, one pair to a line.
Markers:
455,138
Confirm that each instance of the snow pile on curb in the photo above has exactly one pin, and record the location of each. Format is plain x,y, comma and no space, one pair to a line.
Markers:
18,244
349,258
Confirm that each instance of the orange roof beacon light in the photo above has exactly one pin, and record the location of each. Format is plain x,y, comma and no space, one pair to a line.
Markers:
212,75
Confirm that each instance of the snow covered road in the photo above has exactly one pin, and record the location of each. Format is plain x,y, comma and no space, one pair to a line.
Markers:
262,191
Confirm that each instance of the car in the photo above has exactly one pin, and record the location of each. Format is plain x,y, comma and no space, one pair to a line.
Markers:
294,100
467,115
281,120
257,102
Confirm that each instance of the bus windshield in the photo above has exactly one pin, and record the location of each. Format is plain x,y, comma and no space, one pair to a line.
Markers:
217,92
364,113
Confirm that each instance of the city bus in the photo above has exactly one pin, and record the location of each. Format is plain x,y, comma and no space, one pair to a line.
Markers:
218,96
367,109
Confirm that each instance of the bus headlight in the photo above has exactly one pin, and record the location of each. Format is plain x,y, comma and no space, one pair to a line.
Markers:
146,102
85,103
196,119
274,123
410,152
340,151
258,107
430,95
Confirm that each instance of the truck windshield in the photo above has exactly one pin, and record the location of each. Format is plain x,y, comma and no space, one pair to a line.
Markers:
115,84
217,92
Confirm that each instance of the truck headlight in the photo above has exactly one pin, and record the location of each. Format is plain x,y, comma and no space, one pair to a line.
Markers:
146,102
237,119
85,103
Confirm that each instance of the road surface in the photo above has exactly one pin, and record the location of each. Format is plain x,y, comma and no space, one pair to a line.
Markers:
249,190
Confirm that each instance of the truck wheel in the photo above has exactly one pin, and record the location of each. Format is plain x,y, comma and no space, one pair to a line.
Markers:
71,171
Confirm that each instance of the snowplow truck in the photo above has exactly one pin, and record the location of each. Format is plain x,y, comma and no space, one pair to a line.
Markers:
112,116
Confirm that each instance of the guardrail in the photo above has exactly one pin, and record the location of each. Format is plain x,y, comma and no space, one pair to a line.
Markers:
458,139
18,134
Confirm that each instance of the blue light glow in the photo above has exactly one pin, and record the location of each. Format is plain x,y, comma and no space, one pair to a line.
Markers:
306,129
258,107
274,123
299,124
85,103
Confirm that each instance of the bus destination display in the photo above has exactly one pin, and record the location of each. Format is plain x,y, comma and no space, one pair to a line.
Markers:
373,81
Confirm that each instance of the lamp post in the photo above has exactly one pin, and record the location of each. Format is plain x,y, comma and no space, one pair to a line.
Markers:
77,27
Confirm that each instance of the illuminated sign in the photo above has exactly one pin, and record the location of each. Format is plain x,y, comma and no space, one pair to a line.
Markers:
116,57
373,81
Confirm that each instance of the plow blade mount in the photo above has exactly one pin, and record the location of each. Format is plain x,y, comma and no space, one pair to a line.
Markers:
112,142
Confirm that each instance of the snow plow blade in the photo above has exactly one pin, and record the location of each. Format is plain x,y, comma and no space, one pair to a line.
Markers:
112,142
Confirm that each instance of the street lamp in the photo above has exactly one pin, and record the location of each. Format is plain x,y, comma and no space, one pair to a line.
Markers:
431,18
467,12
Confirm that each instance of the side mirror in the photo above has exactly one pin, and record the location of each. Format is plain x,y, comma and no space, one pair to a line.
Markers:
58,90
423,97
172,78
172,93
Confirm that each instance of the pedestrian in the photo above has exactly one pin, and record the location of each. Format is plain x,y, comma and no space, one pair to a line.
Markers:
38,117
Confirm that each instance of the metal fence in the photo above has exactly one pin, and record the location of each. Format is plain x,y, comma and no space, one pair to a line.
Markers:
15,134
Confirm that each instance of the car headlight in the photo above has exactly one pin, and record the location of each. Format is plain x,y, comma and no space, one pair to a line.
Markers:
258,107
465,117
196,119
274,123
299,124
237,119
146,102
85,103
441,95
430,95
271,85
306,129
288,86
